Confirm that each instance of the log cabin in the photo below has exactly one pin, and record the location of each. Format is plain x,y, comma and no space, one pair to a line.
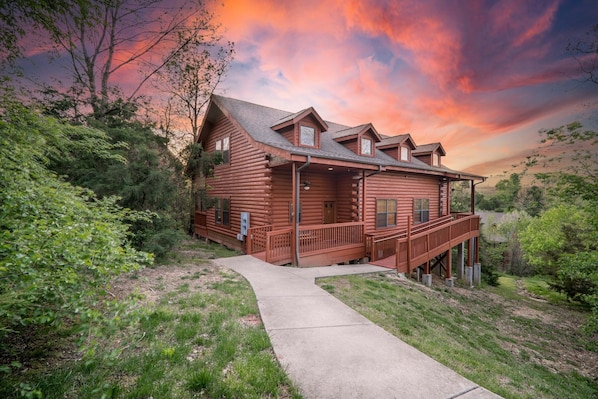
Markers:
293,188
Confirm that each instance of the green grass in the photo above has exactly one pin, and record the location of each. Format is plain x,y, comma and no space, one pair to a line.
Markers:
193,342
483,335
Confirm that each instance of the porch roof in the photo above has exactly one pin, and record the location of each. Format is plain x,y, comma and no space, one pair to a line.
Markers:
257,121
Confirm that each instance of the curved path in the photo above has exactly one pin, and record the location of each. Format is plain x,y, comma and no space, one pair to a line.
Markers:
331,351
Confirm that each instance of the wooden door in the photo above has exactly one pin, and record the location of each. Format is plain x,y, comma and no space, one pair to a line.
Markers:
329,212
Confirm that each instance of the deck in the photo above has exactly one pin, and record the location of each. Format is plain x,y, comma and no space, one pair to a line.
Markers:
328,244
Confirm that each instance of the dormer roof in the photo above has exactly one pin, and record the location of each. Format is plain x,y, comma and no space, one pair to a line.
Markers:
395,141
354,132
429,149
293,119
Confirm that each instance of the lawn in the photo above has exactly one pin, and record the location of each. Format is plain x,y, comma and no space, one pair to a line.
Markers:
195,333
507,339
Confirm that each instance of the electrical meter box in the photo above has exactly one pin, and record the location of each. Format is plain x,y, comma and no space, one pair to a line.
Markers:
244,223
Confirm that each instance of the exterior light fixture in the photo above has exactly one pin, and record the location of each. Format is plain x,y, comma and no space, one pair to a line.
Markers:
306,185
330,168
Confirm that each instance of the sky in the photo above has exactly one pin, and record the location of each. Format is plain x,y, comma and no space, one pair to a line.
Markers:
481,76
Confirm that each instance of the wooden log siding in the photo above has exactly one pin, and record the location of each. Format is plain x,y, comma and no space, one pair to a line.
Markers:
337,187
416,249
403,188
252,191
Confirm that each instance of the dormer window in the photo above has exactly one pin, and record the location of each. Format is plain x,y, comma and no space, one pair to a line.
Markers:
308,136
405,154
366,146
435,159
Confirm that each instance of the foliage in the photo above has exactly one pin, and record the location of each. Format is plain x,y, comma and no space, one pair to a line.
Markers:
95,36
15,15
461,197
577,276
491,258
504,233
198,337
585,52
150,179
563,229
60,245
504,199
532,201
190,74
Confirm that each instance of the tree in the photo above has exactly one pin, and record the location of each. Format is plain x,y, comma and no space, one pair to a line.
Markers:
532,201
461,197
15,15
191,74
561,230
60,245
585,52
104,37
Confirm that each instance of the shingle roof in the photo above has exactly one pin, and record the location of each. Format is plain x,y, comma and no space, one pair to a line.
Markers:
428,148
257,120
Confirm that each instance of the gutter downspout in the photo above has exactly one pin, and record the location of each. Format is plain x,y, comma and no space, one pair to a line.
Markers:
297,197
472,207
363,177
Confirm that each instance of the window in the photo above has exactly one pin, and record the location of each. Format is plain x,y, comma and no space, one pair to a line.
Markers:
421,210
404,154
366,146
224,147
222,209
386,213
435,159
308,136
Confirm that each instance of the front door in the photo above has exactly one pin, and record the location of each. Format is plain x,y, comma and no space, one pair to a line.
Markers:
329,212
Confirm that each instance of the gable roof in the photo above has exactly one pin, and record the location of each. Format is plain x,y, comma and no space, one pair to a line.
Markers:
258,121
354,132
429,148
395,141
297,116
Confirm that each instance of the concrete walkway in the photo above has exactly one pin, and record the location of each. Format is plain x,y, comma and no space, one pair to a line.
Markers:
331,351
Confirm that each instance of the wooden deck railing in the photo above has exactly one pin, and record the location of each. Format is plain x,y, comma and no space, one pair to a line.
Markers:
312,239
418,248
256,238
383,246
278,246
328,236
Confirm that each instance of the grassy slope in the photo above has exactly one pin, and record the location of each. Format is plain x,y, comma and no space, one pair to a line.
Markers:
511,344
196,334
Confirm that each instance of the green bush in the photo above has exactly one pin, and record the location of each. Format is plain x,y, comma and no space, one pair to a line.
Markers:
60,245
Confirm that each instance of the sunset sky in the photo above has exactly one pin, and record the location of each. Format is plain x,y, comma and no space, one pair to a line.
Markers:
480,76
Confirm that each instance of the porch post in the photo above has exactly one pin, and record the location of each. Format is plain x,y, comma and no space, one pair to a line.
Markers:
408,246
472,198
294,218
363,196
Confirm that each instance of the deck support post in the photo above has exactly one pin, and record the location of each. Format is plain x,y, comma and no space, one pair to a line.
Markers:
469,276
448,280
477,274
427,279
460,260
